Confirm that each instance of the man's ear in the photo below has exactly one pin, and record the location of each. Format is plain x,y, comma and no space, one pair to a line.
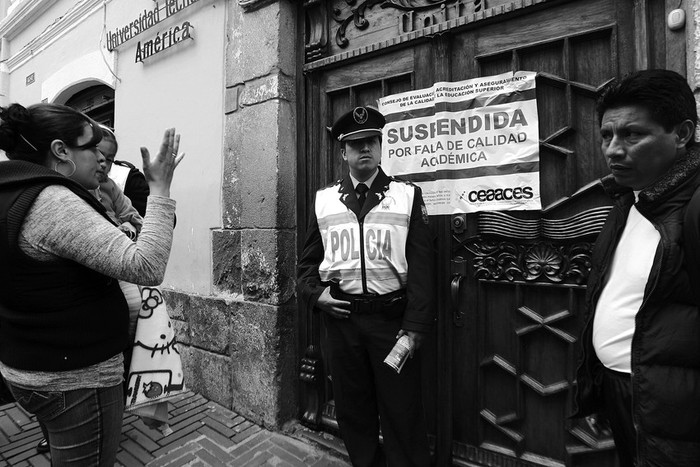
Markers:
342,153
59,149
685,131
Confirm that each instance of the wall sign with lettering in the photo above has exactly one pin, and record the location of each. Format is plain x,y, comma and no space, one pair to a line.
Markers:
150,18
146,20
471,145
163,41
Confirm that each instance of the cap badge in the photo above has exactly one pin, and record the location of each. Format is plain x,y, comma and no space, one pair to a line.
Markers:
360,115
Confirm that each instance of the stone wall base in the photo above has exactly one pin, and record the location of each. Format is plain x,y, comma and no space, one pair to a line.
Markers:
238,354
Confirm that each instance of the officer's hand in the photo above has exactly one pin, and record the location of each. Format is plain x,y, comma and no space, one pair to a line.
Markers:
416,339
335,308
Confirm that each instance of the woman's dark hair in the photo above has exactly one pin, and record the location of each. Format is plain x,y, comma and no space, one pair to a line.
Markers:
27,133
664,93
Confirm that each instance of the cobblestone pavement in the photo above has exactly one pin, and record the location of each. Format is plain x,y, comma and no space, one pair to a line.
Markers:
204,434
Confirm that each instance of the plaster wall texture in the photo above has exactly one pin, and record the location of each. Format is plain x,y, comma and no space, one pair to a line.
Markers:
86,70
262,368
693,47
236,330
231,94
181,87
50,59
238,354
204,333
254,250
50,9
261,41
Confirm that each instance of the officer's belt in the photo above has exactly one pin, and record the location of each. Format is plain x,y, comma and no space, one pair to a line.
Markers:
390,303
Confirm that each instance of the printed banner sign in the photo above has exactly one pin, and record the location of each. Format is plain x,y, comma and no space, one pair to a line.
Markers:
471,145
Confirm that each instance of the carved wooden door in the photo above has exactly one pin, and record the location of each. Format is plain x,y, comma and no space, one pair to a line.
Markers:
499,371
518,278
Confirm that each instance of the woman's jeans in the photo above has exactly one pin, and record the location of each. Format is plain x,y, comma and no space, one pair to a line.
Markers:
84,425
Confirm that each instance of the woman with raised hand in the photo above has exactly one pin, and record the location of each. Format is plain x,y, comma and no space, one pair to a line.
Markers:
63,317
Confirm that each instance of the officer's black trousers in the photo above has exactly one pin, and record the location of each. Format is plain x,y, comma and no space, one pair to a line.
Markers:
366,391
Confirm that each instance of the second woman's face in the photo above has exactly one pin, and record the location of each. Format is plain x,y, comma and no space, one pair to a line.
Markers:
87,161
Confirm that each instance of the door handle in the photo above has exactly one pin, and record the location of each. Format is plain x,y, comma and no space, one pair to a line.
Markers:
457,314
459,269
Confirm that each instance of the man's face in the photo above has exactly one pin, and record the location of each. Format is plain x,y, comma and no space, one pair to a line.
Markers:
637,149
363,156
109,150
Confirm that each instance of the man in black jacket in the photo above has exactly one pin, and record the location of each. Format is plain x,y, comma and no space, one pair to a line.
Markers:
367,266
641,344
135,185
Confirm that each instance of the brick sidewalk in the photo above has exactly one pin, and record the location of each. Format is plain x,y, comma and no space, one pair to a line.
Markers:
204,434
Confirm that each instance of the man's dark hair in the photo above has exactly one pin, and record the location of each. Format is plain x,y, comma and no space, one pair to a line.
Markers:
664,93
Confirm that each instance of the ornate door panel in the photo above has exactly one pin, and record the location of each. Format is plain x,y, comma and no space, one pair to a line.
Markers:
499,371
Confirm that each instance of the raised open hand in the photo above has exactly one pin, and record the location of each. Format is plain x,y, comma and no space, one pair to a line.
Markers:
159,169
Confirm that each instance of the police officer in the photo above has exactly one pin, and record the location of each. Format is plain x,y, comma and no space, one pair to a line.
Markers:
367,265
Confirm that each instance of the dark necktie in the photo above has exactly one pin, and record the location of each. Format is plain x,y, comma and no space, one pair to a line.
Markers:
362,189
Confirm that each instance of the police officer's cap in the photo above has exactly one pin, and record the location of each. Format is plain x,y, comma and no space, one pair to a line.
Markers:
360,122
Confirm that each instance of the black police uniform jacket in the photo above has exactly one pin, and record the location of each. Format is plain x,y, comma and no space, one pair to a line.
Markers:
417,245
666,342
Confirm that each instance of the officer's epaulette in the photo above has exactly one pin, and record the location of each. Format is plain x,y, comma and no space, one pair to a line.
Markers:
332,184
400,180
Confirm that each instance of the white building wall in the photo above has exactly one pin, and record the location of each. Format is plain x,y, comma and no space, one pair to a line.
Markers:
29,53
181,87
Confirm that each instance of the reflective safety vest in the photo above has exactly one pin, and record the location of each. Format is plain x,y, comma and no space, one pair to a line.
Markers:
373,250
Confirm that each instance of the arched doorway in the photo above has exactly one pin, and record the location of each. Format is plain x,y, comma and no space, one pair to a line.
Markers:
95,101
